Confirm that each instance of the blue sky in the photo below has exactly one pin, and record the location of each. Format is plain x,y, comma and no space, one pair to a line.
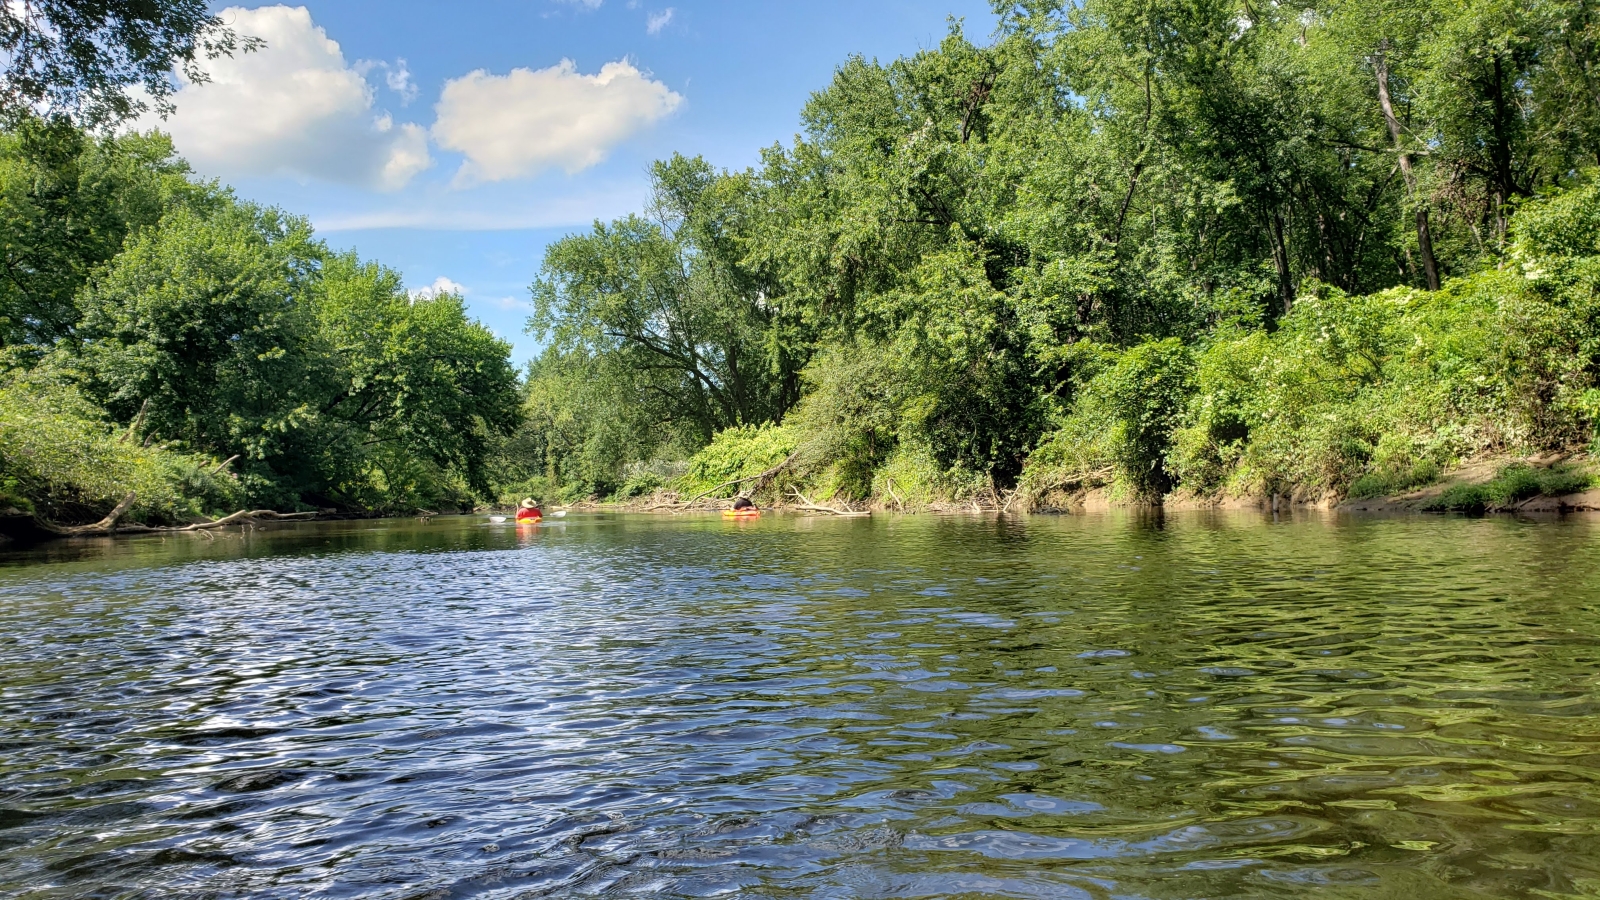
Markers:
456,140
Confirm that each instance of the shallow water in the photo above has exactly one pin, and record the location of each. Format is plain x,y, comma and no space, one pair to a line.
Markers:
1205,706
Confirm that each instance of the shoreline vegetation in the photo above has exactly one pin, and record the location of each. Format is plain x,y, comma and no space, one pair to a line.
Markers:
1335,254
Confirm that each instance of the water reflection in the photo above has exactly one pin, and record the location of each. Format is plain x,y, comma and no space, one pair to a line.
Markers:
1209,705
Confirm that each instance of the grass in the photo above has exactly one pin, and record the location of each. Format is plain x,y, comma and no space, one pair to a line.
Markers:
1513,484
1394,481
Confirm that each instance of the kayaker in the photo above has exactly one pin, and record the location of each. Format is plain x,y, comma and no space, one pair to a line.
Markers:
743,503
529,511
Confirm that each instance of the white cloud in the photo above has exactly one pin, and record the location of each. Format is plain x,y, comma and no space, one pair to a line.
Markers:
441,285
660,20
586,4
294,108
509,126
396,75
503,210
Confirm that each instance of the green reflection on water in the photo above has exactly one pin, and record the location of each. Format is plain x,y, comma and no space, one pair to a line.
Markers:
1201,705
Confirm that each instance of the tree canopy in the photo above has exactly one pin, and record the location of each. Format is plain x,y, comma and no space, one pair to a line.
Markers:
99,62
224,330
960,242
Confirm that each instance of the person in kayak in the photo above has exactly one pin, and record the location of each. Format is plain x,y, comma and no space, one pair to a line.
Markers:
529,511
743,503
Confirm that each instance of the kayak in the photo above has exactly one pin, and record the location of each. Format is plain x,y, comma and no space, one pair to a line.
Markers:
742,513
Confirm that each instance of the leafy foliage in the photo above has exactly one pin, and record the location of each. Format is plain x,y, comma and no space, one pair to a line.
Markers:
81,58
737,453
1211,246
227,331
59,458
69,201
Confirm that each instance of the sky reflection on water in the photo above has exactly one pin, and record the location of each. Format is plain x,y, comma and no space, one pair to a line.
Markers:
1208,705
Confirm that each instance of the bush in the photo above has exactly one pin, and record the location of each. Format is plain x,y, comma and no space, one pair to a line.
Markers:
743,451
61,460
851,416
641,479
1126,418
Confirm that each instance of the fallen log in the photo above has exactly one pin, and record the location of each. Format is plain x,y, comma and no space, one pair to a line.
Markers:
758,479
805,504
109,522
29,529
239,518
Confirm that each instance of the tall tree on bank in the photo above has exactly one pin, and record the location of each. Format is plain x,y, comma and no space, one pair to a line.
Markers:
669,292
68,200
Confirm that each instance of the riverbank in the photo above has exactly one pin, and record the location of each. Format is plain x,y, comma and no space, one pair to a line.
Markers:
1548,483
1555,483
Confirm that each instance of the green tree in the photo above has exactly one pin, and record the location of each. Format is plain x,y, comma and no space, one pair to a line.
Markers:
68,200
409,378
203,327
239,334
670,293
86,59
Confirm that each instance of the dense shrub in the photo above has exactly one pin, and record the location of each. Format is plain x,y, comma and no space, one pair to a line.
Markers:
60,459
1360,394
1125,418
741,452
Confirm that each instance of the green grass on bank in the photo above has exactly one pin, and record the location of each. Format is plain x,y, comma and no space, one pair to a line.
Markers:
1511,485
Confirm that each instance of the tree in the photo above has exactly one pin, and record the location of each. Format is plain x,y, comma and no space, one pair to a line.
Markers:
411,378
204,328
236,333
88,60
68,200
670,293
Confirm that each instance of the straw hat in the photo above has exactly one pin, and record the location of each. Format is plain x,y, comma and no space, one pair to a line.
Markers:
528,503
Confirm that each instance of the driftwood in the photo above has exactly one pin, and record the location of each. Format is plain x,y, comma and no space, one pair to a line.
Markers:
888,485
242,517
806,504
31,529
110,521
224,464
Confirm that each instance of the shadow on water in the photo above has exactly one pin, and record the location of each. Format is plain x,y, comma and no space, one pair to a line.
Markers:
1193,705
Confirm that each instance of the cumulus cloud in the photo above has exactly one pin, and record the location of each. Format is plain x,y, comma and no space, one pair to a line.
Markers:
294,108
518,124
441,285
658,21
396,75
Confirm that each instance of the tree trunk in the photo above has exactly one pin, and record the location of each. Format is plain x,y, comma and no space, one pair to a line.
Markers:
1430,267
1280,257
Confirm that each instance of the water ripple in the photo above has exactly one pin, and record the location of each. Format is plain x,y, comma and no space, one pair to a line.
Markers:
1202,706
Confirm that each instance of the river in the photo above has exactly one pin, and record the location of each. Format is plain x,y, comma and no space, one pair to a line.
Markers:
1117,706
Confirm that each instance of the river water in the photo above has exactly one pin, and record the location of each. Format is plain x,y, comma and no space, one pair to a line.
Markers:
1121,706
